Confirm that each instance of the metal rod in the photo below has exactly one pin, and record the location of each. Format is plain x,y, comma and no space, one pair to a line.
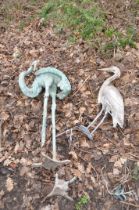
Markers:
53,95
99,123
98,115
44,124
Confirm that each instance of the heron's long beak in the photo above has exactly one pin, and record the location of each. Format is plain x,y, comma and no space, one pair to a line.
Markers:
105,69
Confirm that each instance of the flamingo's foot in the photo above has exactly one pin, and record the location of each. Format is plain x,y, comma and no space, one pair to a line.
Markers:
61,188
86,131
49,163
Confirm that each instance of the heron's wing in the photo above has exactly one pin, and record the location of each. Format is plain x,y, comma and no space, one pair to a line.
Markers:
113,103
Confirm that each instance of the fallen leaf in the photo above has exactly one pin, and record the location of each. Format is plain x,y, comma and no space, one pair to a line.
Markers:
113,158
76,173
73,154
119,163
9,184
89,168
24,170
48,207
116,172
5,116
84,143
82,110
68,109
81,167
93,179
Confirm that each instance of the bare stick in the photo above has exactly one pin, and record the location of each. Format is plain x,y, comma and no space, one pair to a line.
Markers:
81,86
0,133
130,204
68,130
53,122
98,115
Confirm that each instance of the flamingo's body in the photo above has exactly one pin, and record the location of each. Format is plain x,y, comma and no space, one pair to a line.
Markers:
49,78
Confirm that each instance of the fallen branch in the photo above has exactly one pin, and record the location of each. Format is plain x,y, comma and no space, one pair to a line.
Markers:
1,133
130,204
81,86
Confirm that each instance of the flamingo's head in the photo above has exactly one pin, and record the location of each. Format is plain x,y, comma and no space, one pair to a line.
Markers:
33,67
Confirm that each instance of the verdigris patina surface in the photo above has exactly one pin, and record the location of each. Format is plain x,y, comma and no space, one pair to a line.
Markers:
50,79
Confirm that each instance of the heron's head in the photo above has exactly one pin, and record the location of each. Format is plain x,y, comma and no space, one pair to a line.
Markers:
113,69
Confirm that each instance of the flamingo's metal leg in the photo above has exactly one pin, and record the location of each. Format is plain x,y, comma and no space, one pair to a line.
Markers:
48,163
99,123
44,125
98,115
46,96
53,95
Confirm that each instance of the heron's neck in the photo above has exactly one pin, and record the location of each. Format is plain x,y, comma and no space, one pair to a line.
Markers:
109,80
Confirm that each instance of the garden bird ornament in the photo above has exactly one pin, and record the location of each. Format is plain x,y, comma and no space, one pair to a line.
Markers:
49,79
112,103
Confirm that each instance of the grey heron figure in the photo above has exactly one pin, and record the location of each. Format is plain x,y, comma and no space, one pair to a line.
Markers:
112,103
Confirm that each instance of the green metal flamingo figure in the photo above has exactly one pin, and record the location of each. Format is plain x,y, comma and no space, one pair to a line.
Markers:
50,79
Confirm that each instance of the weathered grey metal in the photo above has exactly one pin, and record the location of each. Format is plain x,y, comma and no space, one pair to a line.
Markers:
50,164
112,103
61,188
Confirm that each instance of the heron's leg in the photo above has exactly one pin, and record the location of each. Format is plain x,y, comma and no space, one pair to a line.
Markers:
98,115
44,125
53,95
99,123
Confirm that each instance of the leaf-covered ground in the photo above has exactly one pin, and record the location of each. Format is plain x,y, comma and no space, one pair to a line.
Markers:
110,160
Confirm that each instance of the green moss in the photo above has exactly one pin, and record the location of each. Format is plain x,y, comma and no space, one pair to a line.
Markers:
83,201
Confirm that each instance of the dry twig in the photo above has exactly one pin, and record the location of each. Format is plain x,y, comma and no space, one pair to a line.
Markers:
81,86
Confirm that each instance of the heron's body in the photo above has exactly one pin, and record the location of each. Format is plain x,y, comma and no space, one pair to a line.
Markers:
112,103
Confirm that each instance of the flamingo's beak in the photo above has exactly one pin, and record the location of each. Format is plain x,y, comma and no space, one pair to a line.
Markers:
34,64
